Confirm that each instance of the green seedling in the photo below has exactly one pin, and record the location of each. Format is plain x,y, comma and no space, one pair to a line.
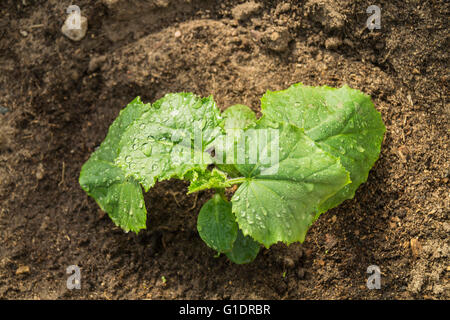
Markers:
308,152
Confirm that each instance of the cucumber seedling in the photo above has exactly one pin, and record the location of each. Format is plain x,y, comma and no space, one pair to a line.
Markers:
308,152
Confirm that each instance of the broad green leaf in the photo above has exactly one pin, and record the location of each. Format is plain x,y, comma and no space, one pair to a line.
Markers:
108,150
216,224
170,140
118,195
343,122
245,249
145,143
278,200
209,180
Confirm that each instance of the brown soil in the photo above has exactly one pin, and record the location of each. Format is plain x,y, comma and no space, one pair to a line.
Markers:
63,95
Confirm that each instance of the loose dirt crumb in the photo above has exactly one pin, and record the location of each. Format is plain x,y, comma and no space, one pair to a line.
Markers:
277,39
415,247
22,270
40,171
333,43
326,13
245,10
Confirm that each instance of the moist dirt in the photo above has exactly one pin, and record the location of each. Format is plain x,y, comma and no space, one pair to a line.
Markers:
58,98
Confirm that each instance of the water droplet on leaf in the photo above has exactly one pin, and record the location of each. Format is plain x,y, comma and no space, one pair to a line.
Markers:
147,149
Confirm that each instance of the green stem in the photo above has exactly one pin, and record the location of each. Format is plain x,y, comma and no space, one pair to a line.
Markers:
237,180
221,193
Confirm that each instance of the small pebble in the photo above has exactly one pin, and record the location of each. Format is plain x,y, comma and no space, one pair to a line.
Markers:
277,40
71,33
95,63
177,34
379,45
283,7
349,43
288,262
23,33
275,36
22,270
333,43
74,75
245,10
301,273
40,172
162,3
110,3
4,110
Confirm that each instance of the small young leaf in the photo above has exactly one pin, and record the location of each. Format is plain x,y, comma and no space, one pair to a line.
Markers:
245,249
341,121
208,180
216,224
238,116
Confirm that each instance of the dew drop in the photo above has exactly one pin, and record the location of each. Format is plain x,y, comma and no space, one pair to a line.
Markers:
147,149
197,105
351,123
289,232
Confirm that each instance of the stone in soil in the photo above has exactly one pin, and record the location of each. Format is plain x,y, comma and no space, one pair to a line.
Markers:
74,33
